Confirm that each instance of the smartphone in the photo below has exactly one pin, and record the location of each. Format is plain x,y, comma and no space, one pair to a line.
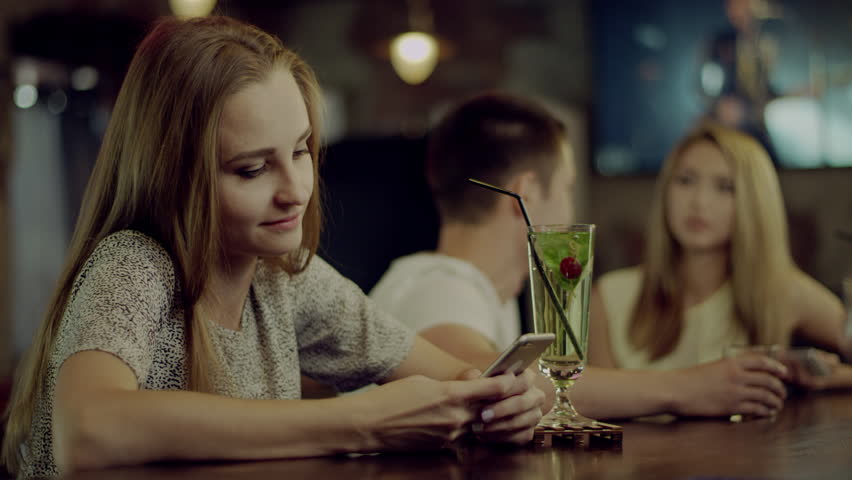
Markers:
810,360
520,354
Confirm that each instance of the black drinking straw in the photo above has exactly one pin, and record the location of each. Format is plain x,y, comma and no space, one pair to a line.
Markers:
550,292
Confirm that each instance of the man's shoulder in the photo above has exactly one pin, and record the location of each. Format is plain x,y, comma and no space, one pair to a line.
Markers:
422,267
425,289
429,261
427,277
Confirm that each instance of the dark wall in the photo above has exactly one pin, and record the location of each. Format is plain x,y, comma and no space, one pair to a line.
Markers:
377,205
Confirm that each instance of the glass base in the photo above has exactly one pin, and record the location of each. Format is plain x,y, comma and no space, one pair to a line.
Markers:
564,415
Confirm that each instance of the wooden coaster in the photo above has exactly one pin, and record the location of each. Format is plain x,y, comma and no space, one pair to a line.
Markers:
599,434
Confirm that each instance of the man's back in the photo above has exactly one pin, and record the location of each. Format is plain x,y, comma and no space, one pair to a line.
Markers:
428,289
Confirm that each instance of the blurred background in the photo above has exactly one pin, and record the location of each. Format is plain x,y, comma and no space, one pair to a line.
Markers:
628,77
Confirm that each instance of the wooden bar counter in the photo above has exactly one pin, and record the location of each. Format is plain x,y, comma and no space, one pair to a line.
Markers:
810,439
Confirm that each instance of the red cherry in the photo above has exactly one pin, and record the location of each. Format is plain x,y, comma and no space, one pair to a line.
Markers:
570,267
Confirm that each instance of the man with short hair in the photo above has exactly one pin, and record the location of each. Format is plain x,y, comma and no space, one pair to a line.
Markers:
462,297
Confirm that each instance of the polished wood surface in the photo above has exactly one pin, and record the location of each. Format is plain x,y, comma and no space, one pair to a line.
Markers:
5,392
810,439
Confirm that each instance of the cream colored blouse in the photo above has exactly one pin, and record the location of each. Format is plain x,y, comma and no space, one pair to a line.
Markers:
708,327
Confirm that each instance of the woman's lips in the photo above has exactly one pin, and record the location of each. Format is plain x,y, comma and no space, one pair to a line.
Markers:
283,224
696,224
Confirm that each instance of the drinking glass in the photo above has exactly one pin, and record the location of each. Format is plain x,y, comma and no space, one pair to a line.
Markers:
774,351
560,260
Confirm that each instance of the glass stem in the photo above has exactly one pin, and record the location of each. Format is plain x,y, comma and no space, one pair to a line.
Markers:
563,412
562,405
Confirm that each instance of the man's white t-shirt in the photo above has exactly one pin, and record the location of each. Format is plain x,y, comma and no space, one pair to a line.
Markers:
427,289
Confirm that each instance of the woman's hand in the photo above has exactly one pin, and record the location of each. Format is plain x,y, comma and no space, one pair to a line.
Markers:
513,418
749,384
814,369
420,413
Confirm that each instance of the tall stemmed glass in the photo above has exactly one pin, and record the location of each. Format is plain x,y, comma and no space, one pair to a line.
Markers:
560,260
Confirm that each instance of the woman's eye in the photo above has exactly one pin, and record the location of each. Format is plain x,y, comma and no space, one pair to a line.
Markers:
301,153
683,179
725,186
252,172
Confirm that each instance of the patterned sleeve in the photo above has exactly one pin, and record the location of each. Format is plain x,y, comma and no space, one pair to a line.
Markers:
344,339
118,301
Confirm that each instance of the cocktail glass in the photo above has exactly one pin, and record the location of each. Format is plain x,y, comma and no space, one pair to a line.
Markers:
561,281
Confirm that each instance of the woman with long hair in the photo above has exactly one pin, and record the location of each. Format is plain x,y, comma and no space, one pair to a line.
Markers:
717,273
192,299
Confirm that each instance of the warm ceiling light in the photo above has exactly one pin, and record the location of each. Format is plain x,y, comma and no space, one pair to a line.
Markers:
414,56
192,8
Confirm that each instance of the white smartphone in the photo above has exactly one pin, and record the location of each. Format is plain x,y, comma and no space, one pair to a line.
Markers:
810,360
520,354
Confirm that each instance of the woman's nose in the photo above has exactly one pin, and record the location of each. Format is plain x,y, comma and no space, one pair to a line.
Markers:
701,195
289,194
289,190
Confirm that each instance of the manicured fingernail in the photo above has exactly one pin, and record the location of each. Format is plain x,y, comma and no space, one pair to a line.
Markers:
487,415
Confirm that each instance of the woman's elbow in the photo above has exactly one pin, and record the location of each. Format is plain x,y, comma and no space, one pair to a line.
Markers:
80,439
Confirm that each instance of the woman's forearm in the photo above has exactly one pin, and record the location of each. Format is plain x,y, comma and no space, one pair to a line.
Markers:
425,358
132,427
476,350
747,383
614,393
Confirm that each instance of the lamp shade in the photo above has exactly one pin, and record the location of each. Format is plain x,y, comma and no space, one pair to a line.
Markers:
192,8
414,56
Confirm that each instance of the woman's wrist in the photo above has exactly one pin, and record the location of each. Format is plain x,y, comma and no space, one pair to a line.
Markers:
841,377
358,422
668,387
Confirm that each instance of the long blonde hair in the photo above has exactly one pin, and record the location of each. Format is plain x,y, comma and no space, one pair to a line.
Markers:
156,172
759,252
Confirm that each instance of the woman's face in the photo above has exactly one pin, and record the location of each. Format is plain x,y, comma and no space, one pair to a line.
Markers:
266,172
700,199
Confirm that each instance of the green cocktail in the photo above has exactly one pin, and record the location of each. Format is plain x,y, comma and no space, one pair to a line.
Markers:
565,255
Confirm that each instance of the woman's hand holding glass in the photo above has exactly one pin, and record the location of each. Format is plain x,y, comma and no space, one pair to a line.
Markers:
748,384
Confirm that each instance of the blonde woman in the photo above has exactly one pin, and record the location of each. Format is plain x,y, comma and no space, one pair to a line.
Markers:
192,298
718,272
